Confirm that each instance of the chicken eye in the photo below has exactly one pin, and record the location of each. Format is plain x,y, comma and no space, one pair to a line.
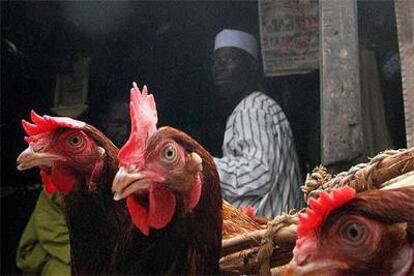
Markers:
75,140
353,232
169,153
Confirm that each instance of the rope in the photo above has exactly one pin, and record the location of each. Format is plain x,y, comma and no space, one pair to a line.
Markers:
268,244
321,180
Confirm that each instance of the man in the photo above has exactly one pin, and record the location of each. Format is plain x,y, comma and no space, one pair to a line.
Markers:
115,122
259,166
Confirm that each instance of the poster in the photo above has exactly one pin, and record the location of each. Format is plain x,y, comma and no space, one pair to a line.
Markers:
289,31
71,92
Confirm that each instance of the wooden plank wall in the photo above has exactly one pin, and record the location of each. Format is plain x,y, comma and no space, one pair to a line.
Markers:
341,119
404,10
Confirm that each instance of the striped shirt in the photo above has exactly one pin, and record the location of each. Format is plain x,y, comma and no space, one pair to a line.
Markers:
259,166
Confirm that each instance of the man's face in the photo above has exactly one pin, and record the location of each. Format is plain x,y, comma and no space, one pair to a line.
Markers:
231,72
116,123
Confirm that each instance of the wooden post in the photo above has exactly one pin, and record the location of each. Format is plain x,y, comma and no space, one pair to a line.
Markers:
341,137
404,11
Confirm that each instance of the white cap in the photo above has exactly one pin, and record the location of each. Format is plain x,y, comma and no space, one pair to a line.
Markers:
238,39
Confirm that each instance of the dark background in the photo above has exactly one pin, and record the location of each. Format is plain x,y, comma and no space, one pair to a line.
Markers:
166,45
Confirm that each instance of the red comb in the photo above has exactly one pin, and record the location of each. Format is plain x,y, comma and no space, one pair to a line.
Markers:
320,209
143,115
249,210
47,123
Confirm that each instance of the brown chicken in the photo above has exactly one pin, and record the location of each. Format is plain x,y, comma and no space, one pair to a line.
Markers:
173,195
370,233
237,222
78,161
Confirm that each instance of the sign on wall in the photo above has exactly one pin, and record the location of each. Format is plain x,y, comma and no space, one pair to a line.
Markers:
71,92
289,31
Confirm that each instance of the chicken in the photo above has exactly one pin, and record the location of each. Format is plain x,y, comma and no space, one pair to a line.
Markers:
370,233
83,174
173,196
77,160
241,221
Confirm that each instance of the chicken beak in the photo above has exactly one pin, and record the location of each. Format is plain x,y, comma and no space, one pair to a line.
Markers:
322,267
295,269
29,159
305,262
128,180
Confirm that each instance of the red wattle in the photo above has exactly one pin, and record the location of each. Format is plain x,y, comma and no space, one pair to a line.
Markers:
48,185
162,204
193,196
160,212
63,179
139,215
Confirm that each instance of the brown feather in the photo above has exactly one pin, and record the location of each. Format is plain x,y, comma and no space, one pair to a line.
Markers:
388,206
236,222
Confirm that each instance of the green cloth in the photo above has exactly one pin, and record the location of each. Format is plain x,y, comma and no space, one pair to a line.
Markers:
44,246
